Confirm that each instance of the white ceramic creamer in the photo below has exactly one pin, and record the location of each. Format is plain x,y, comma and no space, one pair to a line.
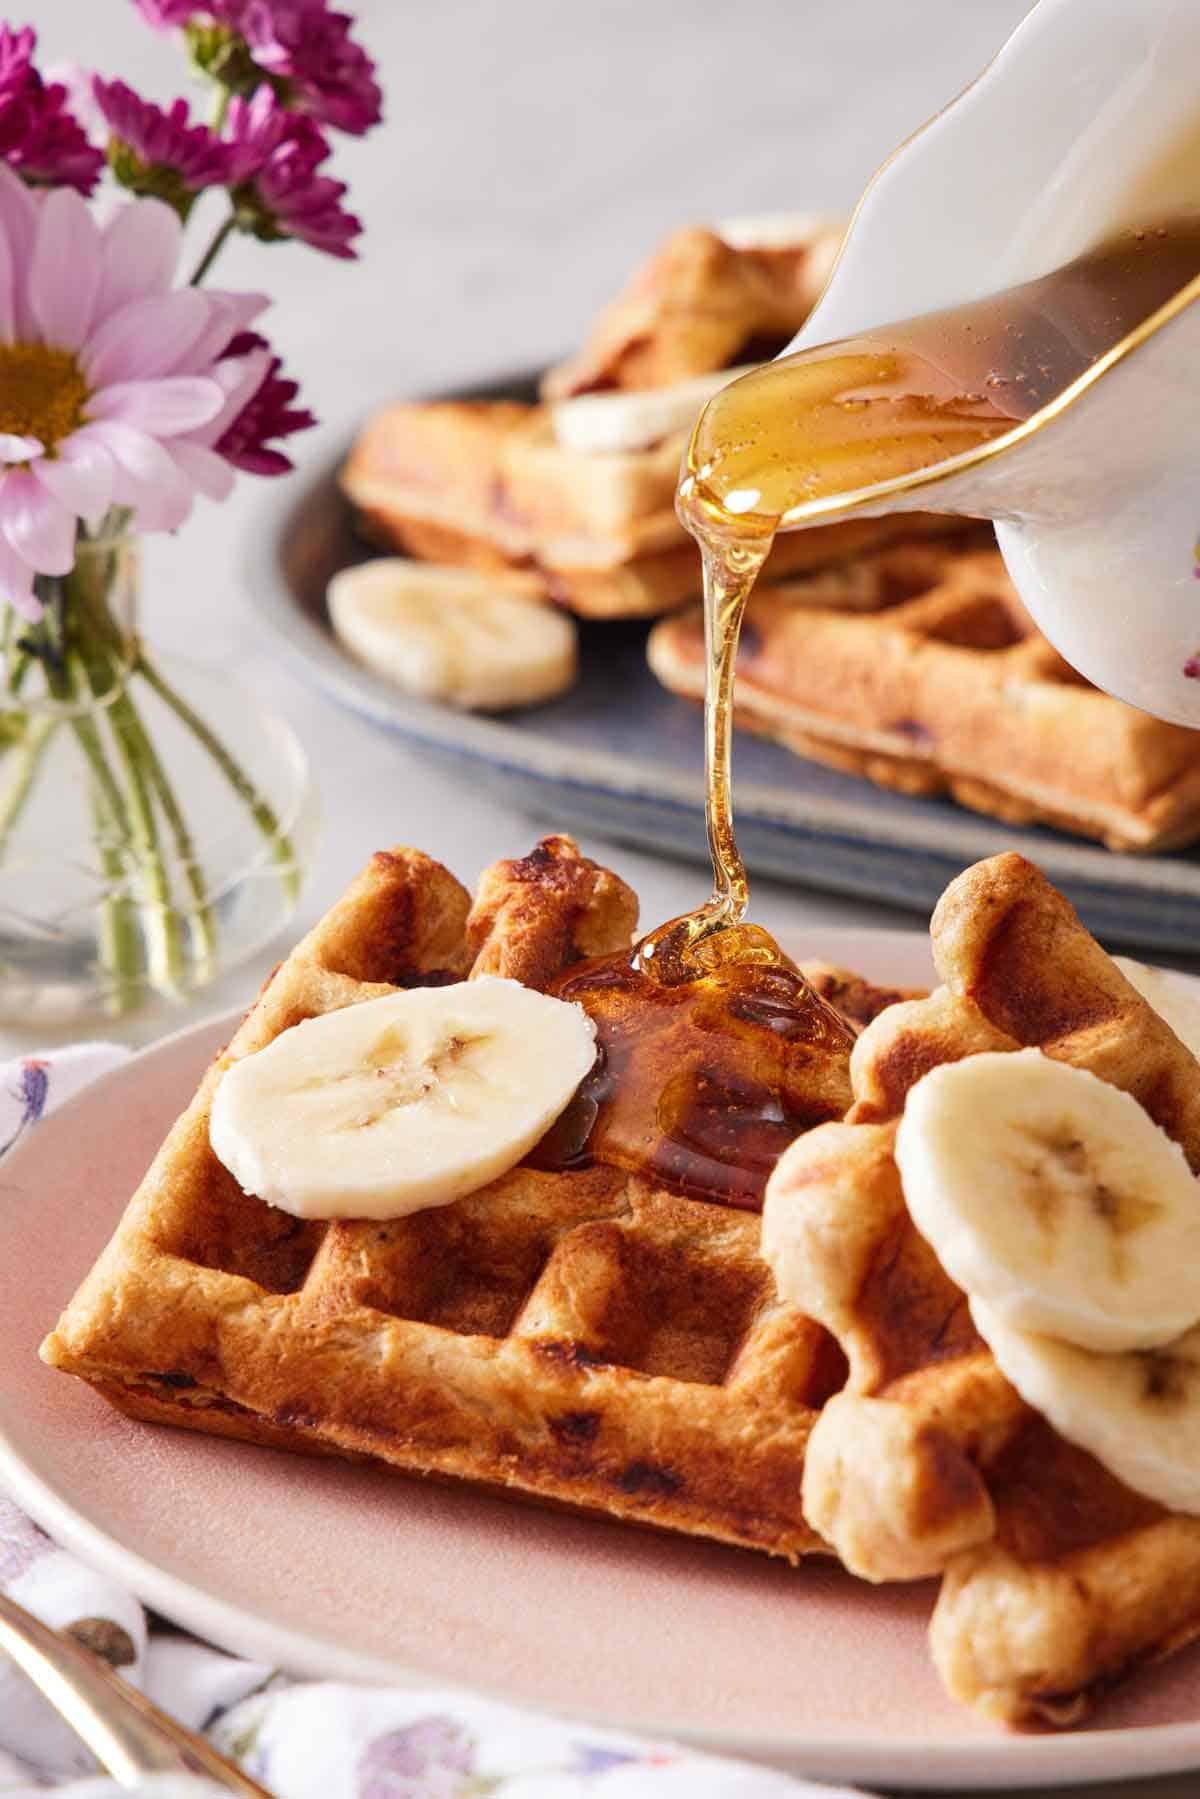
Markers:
1086,124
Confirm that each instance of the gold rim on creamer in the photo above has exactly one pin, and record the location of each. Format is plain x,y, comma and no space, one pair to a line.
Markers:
853,498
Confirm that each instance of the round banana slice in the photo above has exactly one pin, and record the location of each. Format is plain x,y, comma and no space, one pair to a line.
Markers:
1169,997
1138,1413
400,1103
1053,1197
466,639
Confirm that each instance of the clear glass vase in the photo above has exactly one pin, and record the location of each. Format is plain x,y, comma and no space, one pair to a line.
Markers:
155,821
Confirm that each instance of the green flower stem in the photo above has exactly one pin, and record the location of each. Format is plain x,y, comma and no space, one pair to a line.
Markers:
22,775
201,918
262,812
101,649
205,263
120,943
120,950
161,923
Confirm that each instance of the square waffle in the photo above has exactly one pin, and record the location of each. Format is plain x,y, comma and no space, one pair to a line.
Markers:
486,484
583,1337
919,668
483,484
705,300
1057,1579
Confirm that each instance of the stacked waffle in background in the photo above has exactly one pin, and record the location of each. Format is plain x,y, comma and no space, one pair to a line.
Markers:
577,490
893,648
918,667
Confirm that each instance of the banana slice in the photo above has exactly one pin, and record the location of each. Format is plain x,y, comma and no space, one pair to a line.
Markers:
1169,997
477,641
1053,1197
600,424
400,1103
1138,1413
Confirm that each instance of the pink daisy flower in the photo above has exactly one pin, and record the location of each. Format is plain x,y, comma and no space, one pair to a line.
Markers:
39,136
278,190
105,371
159,151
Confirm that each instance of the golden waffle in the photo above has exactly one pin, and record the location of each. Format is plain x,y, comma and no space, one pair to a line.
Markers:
941,683
582,1336
703,301
483,484
1058,1580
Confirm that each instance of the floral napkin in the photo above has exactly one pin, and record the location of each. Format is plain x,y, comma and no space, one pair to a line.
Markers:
302,1740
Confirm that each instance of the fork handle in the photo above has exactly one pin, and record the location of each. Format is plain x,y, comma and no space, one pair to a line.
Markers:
128,1735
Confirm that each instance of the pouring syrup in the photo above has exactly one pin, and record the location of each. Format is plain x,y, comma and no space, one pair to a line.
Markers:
714,1053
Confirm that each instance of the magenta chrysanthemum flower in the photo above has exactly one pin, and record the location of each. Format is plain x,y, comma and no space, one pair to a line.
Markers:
164,15
278,190
307,52
106,376
39,136
302,48
268,414
16,53
157,151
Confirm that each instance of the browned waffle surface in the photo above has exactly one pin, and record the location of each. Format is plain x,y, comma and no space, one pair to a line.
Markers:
1057,1579
581,1336
939,682
700,303
483,484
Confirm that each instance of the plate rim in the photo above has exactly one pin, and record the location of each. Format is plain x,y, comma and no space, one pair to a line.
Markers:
1006,1761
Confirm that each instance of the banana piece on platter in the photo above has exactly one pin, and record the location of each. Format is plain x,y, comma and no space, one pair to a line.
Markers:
481,642
1054,1199
400,1103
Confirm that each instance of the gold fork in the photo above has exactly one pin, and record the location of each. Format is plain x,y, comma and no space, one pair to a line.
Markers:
128,1735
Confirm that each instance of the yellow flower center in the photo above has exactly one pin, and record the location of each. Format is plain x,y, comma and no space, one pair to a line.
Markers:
42,393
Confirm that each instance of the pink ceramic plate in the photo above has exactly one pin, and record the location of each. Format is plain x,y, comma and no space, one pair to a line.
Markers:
336,1570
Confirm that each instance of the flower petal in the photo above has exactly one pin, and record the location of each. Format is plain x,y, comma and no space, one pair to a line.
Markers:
38,527
19,449
7,291
141,253
208,473
165,408
145,477
16,584
231,313
64,275
80,477
240,377
146,337
18,223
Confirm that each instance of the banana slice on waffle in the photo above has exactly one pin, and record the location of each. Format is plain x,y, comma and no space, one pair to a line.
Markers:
403,1102
1138,1413
1053,1197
